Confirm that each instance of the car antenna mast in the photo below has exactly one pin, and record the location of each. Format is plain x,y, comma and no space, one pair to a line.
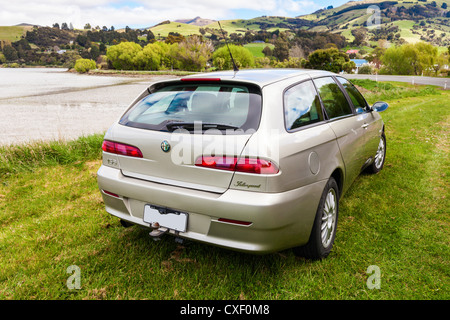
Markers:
235,68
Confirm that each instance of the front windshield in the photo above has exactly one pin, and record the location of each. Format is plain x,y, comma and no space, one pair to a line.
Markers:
226,105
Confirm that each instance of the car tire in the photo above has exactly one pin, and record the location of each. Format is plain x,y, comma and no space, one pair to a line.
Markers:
324,228
380,156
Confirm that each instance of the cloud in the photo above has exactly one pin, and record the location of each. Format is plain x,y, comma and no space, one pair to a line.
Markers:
139,13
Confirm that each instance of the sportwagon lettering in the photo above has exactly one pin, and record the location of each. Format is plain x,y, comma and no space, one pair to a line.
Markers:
250,160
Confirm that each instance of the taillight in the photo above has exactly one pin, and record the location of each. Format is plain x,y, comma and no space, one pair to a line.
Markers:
122,149
115,195
247,165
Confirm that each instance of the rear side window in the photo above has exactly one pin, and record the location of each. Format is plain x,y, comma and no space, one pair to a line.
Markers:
301,106
333,99
188,106
356,97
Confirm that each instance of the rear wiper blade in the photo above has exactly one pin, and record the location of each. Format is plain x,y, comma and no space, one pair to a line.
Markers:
171,126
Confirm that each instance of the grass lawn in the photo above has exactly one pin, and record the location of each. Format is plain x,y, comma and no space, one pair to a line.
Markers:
257,48
52,217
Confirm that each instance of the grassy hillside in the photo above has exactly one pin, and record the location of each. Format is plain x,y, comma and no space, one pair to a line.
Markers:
184,29
257,48
416,21
12,34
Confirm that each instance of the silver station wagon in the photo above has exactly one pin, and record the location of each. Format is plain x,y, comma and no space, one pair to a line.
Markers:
254,160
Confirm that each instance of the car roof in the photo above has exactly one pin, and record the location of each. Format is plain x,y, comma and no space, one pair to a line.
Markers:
260,77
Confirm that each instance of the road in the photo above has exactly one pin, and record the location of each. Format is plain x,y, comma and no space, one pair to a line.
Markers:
441,82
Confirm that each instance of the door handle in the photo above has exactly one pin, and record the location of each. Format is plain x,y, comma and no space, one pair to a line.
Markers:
365,125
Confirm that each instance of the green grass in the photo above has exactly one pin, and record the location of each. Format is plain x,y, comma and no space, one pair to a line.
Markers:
257,48
23,158
375,91
52,217
184,29
12,34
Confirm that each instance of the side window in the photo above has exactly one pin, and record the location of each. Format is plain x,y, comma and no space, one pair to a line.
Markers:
334,100
301,106
356,97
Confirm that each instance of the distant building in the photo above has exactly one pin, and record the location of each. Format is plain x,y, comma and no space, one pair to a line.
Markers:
352,51
359,63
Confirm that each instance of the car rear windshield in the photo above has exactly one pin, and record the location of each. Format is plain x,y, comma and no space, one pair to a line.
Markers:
197,105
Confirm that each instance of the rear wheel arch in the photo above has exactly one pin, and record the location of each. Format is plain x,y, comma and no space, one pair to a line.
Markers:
338,176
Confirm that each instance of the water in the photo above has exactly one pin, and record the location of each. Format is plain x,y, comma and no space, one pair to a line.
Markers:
53,104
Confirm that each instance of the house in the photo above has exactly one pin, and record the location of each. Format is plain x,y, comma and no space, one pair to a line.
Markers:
359,63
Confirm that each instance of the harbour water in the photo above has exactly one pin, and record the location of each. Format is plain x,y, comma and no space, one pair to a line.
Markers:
39,104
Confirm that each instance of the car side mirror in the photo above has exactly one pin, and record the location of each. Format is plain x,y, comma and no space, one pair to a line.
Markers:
379,106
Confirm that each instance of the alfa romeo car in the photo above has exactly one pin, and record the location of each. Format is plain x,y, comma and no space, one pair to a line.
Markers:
253,160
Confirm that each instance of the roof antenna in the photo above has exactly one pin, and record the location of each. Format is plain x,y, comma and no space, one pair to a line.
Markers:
235,68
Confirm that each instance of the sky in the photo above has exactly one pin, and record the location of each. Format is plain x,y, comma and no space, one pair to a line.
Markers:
147,13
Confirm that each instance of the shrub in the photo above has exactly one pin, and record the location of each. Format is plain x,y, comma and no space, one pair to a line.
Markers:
242,56
84,65
365,69
123,55
191,54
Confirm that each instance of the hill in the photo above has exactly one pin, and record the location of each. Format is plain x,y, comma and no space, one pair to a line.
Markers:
14,33
393,21
197,21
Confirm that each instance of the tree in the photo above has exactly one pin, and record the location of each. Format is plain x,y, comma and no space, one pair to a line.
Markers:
267,51
375,56
82,40
444,5
192,54
174,37
365,69
84,65
149,58
296,52
123,55
87,26
242,57
10,53
150,35
410,59
281,50
331,60
360,35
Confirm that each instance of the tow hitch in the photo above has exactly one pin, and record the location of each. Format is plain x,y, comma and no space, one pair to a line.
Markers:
157,231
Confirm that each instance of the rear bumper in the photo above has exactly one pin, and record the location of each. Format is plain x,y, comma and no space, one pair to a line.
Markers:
279,220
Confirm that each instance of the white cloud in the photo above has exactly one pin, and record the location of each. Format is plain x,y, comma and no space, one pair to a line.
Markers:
139,13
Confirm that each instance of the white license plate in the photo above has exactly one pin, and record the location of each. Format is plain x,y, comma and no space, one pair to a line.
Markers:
174,221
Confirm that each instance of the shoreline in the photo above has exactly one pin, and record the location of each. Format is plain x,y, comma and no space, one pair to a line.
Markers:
133,73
